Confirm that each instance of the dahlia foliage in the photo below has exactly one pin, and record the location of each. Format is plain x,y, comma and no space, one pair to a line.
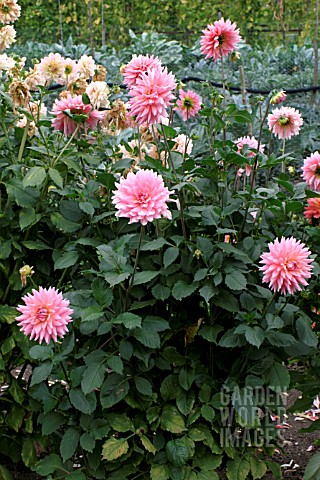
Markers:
165,247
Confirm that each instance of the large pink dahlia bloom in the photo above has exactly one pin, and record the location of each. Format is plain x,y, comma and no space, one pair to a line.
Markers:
311,171
141,197
287,265
189,104
137,66
45,315
285,122
74,106
313,208
219,39
151,96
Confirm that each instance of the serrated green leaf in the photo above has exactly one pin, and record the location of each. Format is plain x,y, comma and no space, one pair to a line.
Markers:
172,420
185,402
87,442
182,289
177,452
101,292
160,472
68,259
69,443
113,390
63,224
51,422
154,245
235,280
28,453
83,403
144,277
148,445
87,208
114,448
34,177
56,177
278,377
258,468
115,363
120,422
5,474
48,465
129,320
93,377
143,386
170,255
238,469
305,332
161,292
41,352
41,373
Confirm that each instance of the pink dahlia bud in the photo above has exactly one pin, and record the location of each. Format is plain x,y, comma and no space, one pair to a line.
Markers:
219,39
285,122
45,315
287,265
278,97
141,197
311,171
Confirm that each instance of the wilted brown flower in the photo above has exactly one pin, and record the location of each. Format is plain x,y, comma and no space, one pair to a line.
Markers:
20,94
78,87
116,118
100,73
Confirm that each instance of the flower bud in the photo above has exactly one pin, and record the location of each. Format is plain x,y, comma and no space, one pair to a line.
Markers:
235,56
278,97
25,272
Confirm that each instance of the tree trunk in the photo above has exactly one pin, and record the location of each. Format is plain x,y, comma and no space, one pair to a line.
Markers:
60,22
90,28
316,55
103,25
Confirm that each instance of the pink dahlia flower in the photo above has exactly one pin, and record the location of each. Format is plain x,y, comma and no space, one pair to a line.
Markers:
251,142
75,106
189,104
138,66
45,315
151,96
285,122
311,171
313,208
141,197
219,39
287,265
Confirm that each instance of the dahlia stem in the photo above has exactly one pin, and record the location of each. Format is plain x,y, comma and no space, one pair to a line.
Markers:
67,144
266,308
134,267
3,124
254,170
283,165
23,141
168,149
